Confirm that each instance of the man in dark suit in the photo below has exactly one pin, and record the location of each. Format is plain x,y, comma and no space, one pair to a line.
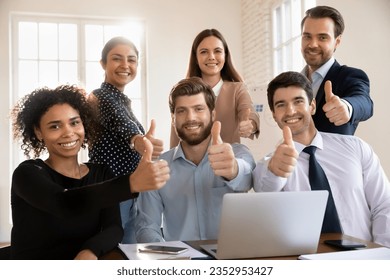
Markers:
342,93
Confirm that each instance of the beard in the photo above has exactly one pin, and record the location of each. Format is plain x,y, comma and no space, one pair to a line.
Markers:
194,139
317,60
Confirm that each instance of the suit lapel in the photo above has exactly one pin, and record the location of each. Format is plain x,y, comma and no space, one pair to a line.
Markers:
331,75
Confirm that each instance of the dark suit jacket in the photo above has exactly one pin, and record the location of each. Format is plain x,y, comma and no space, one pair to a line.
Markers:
352,85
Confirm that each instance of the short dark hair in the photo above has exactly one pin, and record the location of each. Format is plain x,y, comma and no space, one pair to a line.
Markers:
324,12
113,42
189,87
288,79
27,113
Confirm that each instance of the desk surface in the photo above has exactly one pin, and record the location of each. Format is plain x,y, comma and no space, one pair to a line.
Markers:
117,254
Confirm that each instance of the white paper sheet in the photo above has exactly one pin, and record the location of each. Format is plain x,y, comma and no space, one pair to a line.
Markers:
381,253
132,253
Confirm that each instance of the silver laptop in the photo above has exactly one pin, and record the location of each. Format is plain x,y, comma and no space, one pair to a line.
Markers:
269,224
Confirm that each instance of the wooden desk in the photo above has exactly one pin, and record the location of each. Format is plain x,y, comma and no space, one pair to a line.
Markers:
117,254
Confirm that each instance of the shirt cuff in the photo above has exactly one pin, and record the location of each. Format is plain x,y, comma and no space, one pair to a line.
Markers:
350,108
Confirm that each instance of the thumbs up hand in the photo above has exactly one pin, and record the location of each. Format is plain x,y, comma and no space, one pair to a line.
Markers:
216,133
149,175
246,126
158,146
284,159
221,155
335,109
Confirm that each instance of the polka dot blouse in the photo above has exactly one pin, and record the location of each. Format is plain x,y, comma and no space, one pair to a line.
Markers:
119,124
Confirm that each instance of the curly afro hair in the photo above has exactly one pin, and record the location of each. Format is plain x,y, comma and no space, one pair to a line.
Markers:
27,113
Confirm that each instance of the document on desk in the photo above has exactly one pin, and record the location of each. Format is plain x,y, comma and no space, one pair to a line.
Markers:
381,253
132,253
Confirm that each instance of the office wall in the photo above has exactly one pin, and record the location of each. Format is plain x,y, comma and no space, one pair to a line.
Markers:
171,27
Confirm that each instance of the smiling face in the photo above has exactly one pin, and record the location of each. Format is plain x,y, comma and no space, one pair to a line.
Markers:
192,119
62,131
121,66
210,56
292,108
318,41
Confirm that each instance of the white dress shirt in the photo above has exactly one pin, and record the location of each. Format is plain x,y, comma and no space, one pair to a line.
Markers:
359,185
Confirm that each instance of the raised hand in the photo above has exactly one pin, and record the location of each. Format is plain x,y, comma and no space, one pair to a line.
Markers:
246,126
216,133
149,175
283,161
157,143
221,155
335,109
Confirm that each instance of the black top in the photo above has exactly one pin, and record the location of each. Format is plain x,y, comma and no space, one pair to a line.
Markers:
119,124
55,217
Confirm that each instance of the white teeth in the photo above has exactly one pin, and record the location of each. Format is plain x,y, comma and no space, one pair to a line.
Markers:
124,74
313,52
192,127
292,121
70,144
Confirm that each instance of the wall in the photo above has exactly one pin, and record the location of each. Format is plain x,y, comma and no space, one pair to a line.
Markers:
171,27
258,69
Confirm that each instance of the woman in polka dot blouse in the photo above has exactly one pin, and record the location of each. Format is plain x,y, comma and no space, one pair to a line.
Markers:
119,143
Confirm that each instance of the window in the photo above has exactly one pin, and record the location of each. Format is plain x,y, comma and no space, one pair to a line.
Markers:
52,50
287,16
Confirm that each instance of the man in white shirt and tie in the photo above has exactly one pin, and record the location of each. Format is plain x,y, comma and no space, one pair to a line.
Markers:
358,184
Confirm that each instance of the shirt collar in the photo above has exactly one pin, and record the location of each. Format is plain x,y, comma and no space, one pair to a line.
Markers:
109,89
323,70
179,153
317,142
217,87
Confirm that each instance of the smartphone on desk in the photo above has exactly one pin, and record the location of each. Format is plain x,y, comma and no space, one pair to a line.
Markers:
345,244
162,249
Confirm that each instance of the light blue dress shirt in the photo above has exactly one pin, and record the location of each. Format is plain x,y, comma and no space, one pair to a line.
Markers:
359,185
188,207
318,76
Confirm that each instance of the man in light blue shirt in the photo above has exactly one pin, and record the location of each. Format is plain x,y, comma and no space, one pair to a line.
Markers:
358,183
203,169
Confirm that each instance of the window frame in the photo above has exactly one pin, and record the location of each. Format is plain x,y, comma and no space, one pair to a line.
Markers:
287,51
17,155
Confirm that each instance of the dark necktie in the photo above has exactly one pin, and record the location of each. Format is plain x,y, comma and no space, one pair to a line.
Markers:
318,181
